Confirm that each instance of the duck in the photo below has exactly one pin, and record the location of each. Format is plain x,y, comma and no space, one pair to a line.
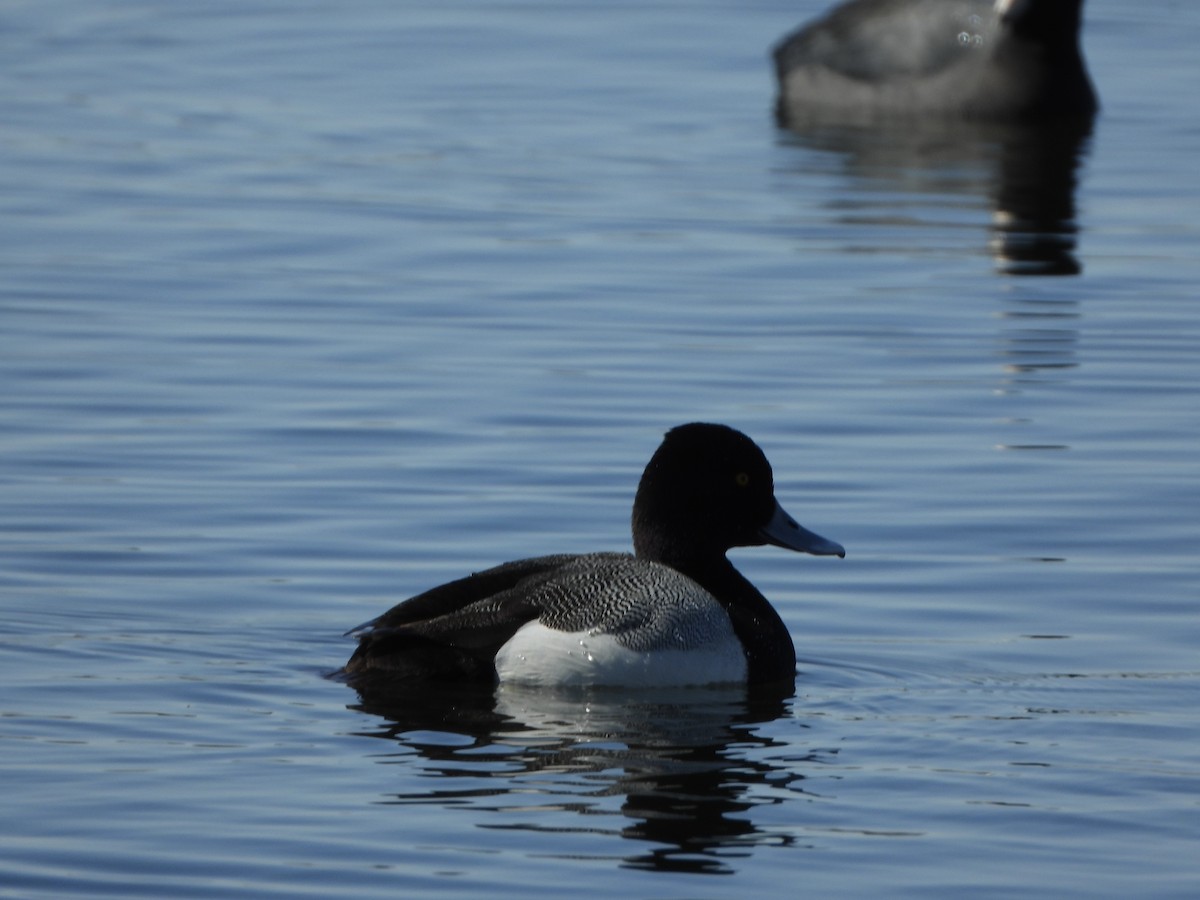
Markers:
674,613
997,60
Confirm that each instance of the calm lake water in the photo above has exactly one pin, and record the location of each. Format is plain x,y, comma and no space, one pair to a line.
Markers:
306,307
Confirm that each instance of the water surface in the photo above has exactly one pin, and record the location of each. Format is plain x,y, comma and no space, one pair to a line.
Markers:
304,311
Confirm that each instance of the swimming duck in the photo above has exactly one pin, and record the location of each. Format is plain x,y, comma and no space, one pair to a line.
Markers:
1010,60
675,612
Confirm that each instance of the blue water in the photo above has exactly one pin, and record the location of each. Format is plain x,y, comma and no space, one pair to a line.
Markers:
307,307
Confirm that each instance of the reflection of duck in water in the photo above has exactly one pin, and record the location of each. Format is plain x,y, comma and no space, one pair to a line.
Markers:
1008,60
676,613
678,773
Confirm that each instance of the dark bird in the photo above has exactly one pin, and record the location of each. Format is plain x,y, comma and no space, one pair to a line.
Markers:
1004,60
675,612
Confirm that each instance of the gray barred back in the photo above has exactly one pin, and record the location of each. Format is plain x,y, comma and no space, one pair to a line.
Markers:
645,605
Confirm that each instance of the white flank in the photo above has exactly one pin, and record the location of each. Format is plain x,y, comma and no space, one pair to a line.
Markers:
537,655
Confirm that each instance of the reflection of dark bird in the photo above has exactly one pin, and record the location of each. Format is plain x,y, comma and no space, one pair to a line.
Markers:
675,613
1008,60
1033,220
1024,173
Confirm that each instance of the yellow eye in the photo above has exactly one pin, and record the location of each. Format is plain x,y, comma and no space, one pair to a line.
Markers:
741,479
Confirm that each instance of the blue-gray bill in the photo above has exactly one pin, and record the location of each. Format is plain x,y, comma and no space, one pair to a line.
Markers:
784,531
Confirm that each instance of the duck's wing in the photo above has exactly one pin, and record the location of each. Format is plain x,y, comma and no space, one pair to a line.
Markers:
455,629
455,595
